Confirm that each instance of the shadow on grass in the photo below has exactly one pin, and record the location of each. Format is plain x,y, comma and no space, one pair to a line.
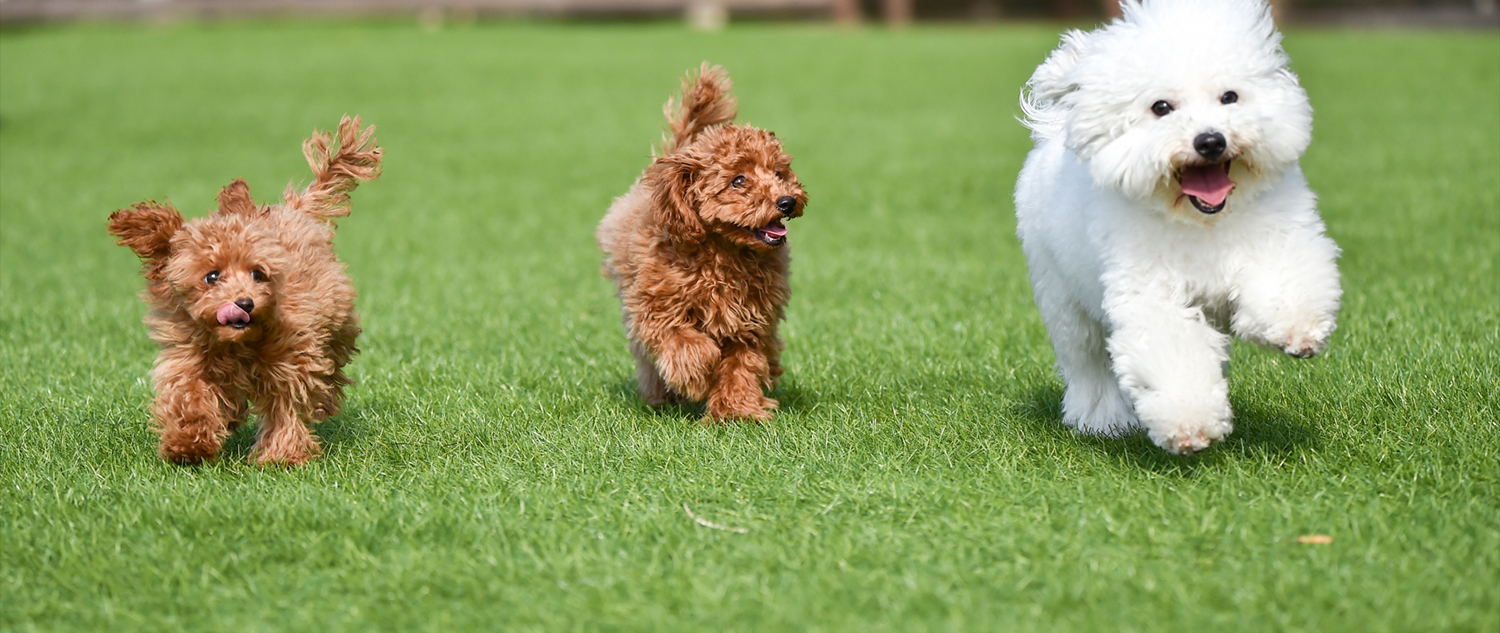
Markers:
340,429
791,397
1258,432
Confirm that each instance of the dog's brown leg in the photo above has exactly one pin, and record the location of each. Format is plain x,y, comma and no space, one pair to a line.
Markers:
737,381
685,358
653,388
771,347
188,411
284,437
236,409
328,397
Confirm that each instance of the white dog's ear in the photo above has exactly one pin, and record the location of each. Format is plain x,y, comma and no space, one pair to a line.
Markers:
1050,83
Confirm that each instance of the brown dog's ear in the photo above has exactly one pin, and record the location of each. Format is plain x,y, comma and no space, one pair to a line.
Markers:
236,198
147,228
671,178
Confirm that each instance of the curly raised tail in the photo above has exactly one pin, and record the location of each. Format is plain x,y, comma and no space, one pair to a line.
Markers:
338,166
706,102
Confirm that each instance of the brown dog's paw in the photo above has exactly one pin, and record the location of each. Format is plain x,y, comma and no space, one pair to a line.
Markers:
188,448
185,456
289,446
762,410
687,365
292,457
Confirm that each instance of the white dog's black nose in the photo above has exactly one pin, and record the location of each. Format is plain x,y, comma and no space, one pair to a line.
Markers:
247,305
786,205
1210,145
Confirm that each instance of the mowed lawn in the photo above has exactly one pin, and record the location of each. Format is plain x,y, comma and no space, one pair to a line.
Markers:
493,468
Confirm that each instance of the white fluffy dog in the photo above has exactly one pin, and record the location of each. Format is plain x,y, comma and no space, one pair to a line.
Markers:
1163,205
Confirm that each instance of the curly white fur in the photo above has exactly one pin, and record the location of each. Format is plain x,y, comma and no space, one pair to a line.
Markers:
1138,280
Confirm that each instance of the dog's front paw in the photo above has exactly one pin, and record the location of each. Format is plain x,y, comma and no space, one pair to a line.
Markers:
284,456
187,454
1306,343
720,411
1185,425
189,445
1302,338
687,365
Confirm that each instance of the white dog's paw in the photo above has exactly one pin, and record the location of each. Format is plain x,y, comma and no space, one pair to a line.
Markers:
1306,341
1185,427
1101,411
1188,439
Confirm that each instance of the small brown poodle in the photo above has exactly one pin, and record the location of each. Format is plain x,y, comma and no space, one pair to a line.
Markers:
252,308
697,248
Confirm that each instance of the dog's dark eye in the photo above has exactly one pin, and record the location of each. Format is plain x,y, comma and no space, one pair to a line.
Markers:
1229,97
211,278
257,275
1161,108
739,181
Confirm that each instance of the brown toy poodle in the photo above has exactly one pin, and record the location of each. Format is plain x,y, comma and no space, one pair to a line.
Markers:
252,308
698,250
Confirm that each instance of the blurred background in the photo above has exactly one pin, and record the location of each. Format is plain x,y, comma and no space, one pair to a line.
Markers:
709,14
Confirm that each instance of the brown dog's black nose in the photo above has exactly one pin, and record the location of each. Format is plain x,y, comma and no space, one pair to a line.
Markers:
786,205
1210,145
245,304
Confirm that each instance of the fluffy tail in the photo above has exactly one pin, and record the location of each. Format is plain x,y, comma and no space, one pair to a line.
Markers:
338,165
706,102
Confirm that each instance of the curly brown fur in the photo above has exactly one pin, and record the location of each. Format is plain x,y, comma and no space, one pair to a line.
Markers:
251,307
697,249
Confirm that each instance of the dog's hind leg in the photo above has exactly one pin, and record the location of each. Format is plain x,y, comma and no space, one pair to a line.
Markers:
1093,403
653,389
771,347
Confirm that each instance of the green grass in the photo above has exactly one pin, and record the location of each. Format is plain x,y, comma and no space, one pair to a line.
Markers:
493,468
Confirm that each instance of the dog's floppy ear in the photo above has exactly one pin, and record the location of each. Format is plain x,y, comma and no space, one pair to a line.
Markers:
147,228
1051,82
671,179
235,198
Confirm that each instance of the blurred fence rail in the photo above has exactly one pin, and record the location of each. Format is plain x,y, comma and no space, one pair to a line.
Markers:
714,13
13,11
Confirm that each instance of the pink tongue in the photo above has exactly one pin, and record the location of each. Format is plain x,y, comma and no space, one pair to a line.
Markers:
1210,184
774,230
229,313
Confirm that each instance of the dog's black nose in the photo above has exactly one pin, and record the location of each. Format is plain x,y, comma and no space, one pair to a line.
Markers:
786,205
1210,145
245,304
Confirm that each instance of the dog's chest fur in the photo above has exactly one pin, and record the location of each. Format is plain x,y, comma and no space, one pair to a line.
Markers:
729,292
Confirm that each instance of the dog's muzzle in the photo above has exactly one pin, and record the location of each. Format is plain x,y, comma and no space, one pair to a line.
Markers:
1207,186
773,234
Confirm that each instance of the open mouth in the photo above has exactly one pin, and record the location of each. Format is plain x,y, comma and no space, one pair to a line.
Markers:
773,234
232,316
1207,186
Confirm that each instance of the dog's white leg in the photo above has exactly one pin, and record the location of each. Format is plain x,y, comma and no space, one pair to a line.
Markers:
1170,362
1093,403
1288,295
